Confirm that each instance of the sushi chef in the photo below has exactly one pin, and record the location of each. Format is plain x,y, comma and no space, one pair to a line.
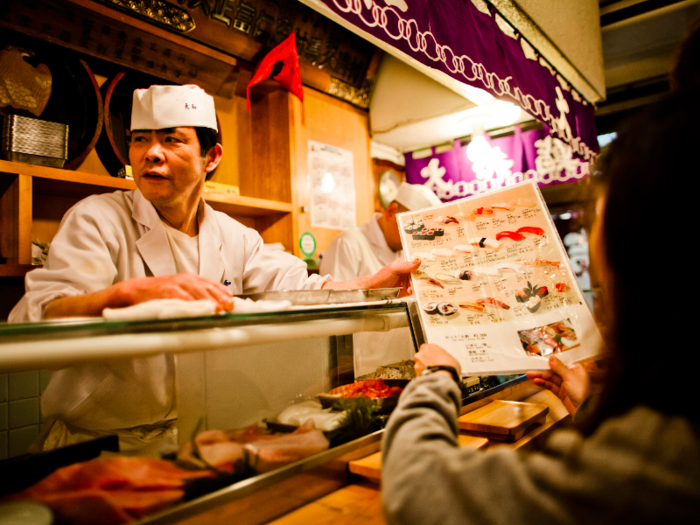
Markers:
160,241
365,249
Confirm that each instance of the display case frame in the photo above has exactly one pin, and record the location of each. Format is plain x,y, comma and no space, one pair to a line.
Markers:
261,498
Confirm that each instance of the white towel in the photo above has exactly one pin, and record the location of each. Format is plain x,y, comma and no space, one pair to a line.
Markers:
161,309
248,306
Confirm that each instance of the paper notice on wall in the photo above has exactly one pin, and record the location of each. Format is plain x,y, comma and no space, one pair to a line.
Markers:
495,287
332,181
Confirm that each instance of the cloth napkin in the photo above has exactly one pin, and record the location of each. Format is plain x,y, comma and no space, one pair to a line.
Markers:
161,309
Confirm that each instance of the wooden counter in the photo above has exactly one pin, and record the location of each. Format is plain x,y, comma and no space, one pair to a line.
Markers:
357,503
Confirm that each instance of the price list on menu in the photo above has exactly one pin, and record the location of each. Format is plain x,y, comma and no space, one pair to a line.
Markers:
495,287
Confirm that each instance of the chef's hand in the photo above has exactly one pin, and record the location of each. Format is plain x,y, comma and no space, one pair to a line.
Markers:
570,385
394,275
434,355
185,286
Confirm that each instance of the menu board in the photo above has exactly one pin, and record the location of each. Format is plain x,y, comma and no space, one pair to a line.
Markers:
332,182
495,287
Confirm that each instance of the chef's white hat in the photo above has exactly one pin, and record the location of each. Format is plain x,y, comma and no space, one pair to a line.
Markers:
416,197
162,107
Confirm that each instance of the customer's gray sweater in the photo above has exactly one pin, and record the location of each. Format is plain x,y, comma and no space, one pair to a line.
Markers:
642,467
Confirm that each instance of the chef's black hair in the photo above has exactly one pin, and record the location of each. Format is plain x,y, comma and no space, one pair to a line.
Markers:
647,232
208,138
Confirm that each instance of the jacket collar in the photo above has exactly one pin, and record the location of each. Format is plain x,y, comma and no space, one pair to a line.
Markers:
211,263
153,244
154,247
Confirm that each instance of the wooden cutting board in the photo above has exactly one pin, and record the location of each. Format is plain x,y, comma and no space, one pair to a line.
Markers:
503,420
371,466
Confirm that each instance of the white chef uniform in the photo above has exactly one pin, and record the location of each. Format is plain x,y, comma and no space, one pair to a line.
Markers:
106,239
363,250
358,251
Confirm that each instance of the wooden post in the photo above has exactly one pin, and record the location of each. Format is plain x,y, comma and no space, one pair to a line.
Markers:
16,218
270,177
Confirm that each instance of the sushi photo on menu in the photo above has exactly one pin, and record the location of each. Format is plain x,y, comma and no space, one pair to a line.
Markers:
495,287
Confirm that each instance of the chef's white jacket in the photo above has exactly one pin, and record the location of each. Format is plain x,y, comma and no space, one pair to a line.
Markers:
106,239
357,252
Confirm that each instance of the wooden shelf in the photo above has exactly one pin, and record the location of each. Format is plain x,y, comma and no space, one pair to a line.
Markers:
16,270
247,206
107,33
53,181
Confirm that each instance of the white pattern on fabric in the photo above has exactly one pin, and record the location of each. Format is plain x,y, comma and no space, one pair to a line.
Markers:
472,71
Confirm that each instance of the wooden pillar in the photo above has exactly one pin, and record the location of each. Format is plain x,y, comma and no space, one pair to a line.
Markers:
16,218
271,166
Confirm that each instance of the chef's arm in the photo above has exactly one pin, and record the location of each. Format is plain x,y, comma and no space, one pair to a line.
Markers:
186,286
394,275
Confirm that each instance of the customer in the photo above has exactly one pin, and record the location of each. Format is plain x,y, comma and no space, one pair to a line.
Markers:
637,458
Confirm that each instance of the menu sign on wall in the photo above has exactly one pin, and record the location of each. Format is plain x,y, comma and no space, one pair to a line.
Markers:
332,181
495,287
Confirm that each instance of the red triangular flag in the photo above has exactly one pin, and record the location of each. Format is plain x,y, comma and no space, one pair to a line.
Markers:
289,76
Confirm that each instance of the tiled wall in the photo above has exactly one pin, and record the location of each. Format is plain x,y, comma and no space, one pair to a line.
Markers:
20,418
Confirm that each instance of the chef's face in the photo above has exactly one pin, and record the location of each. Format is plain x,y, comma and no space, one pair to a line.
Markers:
168,166
392,233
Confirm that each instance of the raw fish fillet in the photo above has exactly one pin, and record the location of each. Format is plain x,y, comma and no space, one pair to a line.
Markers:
118,472
250,434
271,454
262,450
110,490
215,449
90,507
299,413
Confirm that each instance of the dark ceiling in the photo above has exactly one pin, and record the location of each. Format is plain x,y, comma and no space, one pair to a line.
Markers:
640,40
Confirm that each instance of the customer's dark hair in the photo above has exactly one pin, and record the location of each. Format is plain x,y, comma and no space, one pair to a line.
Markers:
686,69
648,230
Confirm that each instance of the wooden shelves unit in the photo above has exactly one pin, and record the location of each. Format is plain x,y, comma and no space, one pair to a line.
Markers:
20,184
268,142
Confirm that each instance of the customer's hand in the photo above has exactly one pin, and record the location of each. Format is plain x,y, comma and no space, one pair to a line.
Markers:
570,385
434,355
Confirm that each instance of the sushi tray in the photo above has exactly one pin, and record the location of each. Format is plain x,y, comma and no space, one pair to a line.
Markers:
319,297
384,397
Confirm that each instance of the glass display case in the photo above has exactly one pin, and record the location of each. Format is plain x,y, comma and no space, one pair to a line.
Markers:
236,370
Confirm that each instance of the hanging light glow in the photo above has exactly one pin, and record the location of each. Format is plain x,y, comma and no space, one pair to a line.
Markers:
504,113
479,150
